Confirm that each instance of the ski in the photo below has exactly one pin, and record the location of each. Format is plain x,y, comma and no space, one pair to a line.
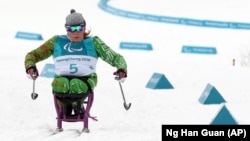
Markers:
56,131
76,132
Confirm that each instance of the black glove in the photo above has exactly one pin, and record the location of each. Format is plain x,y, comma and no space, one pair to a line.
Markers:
32,72
121,75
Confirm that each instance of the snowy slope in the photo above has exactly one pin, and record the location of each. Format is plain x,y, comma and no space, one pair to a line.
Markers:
24,119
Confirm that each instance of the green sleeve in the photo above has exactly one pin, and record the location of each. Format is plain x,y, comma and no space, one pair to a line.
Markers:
42,52
108,55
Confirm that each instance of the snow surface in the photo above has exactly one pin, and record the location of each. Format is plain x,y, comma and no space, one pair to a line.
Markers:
24,119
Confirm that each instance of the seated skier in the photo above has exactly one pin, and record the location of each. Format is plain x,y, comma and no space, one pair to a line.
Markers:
75,58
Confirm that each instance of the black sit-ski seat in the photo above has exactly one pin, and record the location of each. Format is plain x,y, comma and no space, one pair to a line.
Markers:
81,111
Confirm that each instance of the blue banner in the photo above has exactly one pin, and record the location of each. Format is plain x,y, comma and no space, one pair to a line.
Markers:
103,4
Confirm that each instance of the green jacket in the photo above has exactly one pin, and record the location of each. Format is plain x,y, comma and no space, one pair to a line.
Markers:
103,51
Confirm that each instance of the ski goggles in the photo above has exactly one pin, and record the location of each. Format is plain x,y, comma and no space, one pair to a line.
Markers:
75,28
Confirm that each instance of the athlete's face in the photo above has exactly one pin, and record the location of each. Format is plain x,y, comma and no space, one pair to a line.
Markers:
75,33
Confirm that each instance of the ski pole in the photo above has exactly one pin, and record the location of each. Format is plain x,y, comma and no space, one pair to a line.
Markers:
126,106
33,94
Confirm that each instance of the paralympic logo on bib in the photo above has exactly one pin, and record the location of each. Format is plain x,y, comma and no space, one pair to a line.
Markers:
70,49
